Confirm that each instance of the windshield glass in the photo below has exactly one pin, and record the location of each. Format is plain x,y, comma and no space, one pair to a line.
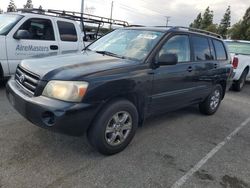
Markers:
131,44
239,48
7,22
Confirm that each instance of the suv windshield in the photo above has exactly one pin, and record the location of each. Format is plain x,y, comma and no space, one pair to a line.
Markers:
239,47
7,22
127,43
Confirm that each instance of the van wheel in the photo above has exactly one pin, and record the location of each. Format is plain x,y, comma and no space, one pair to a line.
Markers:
114,127
212,102
239,84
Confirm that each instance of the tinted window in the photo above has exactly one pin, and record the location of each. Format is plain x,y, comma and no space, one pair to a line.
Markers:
39,29
212,49
67,31
201,48
178,45
220,50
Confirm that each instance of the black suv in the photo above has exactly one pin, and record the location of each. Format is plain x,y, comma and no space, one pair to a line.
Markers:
109,88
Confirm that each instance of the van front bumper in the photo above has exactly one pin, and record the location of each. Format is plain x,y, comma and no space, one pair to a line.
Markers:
66,117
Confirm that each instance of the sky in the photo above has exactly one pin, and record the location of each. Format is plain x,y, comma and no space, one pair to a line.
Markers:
146,12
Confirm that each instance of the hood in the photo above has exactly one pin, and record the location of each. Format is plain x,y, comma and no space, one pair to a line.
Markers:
73,66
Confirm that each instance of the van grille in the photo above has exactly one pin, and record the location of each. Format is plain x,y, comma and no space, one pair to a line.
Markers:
27,80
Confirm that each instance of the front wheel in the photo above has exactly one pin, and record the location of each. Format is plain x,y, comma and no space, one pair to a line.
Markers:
212,102
114,127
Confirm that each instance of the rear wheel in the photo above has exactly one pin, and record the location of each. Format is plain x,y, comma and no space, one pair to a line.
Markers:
114,127
239,84
212,102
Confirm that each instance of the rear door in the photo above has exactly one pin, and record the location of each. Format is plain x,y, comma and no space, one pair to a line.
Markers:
174,86
205,65
40,42
68,37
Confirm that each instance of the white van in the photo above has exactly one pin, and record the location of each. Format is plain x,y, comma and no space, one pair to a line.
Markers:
30,35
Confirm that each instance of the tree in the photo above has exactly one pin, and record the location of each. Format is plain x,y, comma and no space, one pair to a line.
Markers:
197,22
225,23
1,11
40,7
207,18
28,4
241,30
11,7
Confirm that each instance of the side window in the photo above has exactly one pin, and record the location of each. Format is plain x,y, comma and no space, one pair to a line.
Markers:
67,31
179,45
201,49
212,49
38,29
220,50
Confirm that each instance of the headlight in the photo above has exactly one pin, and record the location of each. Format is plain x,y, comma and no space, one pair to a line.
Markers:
71,91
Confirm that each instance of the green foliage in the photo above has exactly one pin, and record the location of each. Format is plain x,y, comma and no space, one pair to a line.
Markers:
197,22
11,7
207,19
225,23
28,4
241,30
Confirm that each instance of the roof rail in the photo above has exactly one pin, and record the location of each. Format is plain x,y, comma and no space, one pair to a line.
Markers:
198,31
77,16
193,30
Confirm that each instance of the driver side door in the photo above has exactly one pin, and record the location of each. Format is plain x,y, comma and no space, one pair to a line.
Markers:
40,42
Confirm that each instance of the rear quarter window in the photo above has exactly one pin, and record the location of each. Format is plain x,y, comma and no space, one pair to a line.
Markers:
220,50
67,31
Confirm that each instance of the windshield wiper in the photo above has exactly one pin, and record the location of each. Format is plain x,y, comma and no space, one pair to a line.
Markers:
110,54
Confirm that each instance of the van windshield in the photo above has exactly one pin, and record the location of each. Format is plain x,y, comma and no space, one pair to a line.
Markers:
239,47
7,22
127,43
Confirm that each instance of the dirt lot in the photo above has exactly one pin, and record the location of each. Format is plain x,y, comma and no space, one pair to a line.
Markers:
179,149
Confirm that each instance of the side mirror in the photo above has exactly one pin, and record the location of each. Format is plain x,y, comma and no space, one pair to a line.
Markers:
168,59
22,34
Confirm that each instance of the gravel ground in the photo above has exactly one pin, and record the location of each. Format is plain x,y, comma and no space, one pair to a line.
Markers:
163,150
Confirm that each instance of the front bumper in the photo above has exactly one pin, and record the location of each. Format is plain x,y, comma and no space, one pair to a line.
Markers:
56,115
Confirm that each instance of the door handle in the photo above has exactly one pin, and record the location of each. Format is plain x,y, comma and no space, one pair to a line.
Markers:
54,47
190,69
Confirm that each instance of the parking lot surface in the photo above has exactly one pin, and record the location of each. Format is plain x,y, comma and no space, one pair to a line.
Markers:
208,151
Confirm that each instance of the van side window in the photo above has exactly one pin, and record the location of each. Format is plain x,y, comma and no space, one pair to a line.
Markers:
220,50
39,29
179,45
201,49
67,31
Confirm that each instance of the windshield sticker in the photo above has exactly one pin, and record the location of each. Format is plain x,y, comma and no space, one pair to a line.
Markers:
147,36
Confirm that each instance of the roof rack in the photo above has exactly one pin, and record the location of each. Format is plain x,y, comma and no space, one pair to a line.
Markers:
77,16
193,30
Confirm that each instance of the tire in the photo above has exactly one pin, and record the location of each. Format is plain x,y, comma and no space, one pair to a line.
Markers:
114,127
239,84
212,102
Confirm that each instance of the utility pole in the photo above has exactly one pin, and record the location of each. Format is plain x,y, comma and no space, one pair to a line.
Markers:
167,20
111,14
82,7
82,23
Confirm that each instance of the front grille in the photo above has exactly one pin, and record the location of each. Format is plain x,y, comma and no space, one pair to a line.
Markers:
27,80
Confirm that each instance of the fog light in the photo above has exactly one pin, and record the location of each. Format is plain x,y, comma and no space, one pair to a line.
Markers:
48,118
